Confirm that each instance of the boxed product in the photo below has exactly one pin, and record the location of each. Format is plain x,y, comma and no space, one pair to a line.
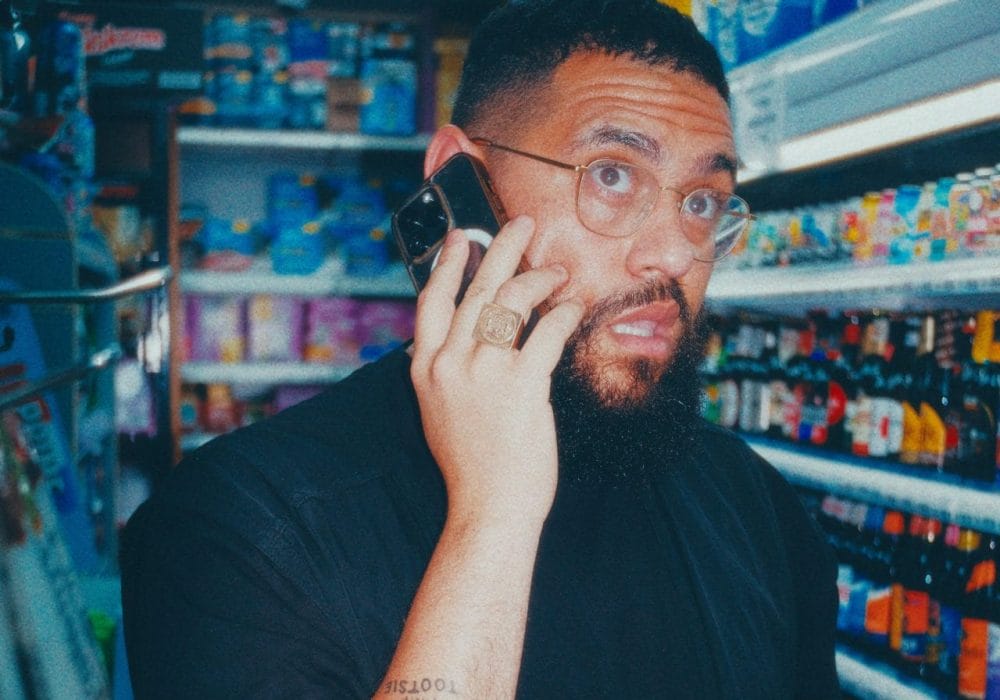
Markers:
382,326
215,328
274,328
330,331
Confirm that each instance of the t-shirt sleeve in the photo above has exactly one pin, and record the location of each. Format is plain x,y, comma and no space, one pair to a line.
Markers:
814,573
218,599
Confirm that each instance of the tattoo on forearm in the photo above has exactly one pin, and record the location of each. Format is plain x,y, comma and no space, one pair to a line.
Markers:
420,689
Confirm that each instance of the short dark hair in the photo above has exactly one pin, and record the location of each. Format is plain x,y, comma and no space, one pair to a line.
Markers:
519,45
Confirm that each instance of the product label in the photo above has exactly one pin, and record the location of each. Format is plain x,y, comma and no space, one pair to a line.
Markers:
913,435
993,662
916,617
934,437
896,612
951,637
877,613
861,427
972,659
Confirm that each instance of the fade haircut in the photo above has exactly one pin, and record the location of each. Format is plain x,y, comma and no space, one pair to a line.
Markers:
519,45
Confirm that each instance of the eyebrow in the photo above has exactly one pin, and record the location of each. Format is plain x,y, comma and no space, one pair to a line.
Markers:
716,163
650,148
634,140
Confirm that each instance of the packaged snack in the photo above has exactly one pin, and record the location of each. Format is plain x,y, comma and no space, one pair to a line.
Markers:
274,328
215,328
331,331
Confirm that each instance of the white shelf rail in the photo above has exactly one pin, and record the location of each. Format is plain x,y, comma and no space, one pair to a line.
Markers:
864,680
328,280
964,503
220,137
263,373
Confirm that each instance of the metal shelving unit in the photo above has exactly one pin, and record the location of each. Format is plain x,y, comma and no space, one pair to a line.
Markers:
893,73
928,285
202,137
328,280
966,503
897,91
246,373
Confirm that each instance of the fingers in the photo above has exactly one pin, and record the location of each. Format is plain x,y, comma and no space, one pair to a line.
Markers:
544,347
499,265
436,302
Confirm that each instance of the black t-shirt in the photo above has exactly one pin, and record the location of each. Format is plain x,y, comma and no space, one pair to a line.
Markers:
281,561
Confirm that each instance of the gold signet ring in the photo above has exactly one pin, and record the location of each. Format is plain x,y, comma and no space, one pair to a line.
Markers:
498,325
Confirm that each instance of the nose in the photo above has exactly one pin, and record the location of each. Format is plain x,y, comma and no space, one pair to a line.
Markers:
659,248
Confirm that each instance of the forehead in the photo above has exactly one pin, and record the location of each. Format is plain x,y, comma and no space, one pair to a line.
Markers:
593,92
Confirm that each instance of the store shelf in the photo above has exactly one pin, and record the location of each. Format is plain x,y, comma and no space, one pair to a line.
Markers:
275,139
263,373
892,73
329,280
799,287
965,503
864,678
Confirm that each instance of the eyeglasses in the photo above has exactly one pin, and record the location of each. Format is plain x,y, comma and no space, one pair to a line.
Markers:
614,198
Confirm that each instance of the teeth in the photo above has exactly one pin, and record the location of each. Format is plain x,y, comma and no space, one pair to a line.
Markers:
643,330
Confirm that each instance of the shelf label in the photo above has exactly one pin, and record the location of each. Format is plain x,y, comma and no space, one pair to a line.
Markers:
759,121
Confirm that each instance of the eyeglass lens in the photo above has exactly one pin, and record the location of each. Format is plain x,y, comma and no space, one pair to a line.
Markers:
614,198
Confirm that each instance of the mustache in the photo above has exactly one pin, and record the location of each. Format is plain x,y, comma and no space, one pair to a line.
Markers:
642,295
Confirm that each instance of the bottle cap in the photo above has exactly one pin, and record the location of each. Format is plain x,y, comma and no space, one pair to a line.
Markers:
894,523
969,540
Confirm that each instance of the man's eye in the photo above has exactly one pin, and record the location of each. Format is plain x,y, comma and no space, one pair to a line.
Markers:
615,177
705,204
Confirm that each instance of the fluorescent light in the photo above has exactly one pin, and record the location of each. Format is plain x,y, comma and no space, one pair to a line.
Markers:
954,110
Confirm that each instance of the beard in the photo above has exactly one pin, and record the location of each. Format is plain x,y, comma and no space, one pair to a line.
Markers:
622,419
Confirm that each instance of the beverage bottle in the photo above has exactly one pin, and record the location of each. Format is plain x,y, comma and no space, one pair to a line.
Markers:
798,373
921,613
933,576
887,416
929,379
15,51
876,557
782,399
960,546
897,545
870,375
905,389
754,385
974,655
978,426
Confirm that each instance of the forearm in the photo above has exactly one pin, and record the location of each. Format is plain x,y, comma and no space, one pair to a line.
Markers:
465,630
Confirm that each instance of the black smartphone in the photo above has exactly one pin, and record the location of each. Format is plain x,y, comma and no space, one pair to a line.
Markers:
457,195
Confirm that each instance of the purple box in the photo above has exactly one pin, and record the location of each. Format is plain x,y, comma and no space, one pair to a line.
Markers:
215,328
331,331
274,328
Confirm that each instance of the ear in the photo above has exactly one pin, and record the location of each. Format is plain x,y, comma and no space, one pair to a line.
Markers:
446,142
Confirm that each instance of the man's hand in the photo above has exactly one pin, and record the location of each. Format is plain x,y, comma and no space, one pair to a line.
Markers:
485,409
489,425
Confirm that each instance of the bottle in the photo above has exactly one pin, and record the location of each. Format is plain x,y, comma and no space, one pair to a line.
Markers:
921,614
870,374
959,210
15,50
905,391
932,381
899,547
976,458
959,547
974,656
886,409
894,528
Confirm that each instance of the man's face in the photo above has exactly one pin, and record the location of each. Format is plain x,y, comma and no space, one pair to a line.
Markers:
641,290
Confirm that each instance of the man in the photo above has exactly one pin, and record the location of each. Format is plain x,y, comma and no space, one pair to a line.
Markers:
482,518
